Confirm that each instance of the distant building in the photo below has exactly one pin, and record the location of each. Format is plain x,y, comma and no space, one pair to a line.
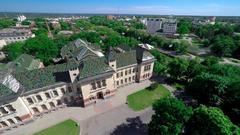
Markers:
11,35
21,18
110,17
66,32
163,26
55,24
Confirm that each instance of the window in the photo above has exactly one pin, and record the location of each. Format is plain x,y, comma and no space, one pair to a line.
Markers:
126,72
117,75
65,100
129,79
44,107
35,110
11,121
133,77
133,70
52,105
104,83
125,80
39,98
117,82
59,102
121,73
63,91
78,90
99,84
3,111
121,81
47,95
93,86
130,71
69,89
18,119
55,93
147,67
30,101
10,108
3,123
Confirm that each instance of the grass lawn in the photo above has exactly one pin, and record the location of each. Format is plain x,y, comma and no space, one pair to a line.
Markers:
145,98
68,127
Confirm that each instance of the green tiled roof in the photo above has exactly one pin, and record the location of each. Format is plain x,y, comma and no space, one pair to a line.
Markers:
5,91
94,67
40,78
77,50
129,58
125,59
23,62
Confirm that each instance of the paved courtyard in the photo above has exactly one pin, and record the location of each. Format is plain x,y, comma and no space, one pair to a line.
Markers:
104,116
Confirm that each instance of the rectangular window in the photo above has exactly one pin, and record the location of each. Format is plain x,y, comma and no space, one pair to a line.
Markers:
133,77
78,90
99,84
117,75
55,93
63,91
130,71
129,79
147,67
121,73
117,82
122,81
125,80
30,101
133,70
39,98
69,89
104,83
47,95
126,72
3,111
93,86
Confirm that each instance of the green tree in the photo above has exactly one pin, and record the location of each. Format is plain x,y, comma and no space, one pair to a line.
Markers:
14,50
5,23
177,68
223,46
210,121
169,118
231,102
208,88
42,47
184,27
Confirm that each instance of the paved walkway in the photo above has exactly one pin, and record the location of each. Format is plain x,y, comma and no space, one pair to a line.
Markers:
77,113
118,121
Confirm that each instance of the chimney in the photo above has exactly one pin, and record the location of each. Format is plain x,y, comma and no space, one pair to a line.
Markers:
139,54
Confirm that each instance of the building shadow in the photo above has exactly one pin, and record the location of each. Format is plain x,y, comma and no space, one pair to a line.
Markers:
133,126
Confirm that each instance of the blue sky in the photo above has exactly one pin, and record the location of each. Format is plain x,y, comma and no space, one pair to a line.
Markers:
158,7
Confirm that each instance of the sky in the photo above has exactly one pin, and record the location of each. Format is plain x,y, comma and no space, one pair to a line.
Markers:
153,7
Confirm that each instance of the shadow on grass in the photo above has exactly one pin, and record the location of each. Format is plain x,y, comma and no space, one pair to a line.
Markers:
134,126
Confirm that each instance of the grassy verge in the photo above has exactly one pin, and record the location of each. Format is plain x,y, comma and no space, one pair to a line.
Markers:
68,127
145,98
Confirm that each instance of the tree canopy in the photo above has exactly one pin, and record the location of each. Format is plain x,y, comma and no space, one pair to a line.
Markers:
169,118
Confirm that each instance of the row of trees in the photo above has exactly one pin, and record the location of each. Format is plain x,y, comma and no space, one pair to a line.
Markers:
173,117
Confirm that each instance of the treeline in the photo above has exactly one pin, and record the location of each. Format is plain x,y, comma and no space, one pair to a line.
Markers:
207,81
